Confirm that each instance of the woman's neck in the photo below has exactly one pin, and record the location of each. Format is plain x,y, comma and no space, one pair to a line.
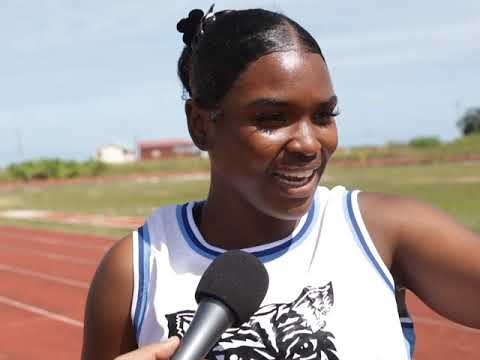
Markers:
238,224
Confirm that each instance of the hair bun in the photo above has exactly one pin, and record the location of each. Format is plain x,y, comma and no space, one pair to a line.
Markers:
189,26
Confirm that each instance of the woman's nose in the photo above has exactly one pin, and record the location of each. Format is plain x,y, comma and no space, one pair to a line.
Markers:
304,140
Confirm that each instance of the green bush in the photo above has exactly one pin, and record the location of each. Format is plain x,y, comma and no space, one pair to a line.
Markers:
469,123
424,142
54,169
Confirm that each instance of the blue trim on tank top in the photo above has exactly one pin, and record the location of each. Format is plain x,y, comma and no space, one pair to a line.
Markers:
363,243
143,278
264,255
408,330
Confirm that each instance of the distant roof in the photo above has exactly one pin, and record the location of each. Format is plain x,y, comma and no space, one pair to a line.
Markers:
119,146
164,143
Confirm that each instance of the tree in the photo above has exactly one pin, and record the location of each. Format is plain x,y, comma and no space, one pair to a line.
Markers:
469,123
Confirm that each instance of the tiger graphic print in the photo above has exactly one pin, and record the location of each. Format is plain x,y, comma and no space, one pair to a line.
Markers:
295,330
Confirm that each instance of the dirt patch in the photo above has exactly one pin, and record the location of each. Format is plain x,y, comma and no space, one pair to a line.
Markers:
146,178
447,180
473,158
121,222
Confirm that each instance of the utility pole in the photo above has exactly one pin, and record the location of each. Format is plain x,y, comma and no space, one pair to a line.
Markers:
18,133
458,115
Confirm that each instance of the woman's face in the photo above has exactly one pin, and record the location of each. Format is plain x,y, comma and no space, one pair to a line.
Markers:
277,132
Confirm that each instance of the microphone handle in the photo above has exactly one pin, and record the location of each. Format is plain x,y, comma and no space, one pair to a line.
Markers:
211,319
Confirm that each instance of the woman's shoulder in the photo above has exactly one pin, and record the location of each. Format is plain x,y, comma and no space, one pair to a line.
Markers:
394,212
114,277
107,314
117,262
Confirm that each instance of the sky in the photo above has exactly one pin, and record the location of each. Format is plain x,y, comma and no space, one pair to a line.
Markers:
75,75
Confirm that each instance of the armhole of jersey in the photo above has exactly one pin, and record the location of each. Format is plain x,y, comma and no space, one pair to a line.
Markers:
408,330
135,277
365,241
141,277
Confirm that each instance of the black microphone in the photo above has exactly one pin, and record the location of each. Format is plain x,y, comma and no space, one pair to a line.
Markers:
229,292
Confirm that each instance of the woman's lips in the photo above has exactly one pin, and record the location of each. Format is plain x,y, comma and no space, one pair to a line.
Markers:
298,183
297,179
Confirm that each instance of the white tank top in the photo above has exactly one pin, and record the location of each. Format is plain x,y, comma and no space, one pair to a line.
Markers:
330,294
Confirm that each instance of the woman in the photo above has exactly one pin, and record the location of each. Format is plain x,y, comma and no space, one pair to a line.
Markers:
262,103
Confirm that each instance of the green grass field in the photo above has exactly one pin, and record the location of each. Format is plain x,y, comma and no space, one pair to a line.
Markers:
454,188
426,153
164,166
464,146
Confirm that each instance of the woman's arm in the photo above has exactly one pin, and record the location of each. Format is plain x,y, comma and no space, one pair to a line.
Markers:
108,330
428,252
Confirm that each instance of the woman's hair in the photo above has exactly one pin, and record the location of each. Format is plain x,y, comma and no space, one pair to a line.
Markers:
220,46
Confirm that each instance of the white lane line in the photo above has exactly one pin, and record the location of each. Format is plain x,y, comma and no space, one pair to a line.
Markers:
43,276
39,311
43,240
49,255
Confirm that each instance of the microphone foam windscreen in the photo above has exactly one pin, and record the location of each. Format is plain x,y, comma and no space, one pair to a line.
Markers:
239,280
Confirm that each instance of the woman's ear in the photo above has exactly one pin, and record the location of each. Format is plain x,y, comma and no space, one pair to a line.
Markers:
199,125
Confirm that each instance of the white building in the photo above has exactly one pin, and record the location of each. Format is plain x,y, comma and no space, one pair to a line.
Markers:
115,154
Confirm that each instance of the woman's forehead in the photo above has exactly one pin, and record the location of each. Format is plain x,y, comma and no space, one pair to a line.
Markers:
284,74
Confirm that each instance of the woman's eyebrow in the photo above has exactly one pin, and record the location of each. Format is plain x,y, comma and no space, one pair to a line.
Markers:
282,103
267,102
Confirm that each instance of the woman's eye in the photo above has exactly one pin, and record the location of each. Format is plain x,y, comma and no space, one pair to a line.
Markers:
271,118
326,117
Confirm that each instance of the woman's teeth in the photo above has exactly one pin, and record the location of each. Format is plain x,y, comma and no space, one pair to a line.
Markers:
297,178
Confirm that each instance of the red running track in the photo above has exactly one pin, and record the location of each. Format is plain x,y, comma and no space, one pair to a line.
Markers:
44,282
